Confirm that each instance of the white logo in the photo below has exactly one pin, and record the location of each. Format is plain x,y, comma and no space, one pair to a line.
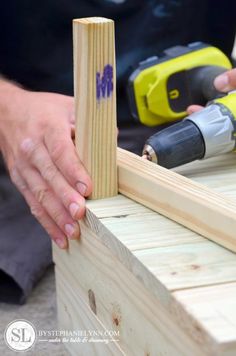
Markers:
20,335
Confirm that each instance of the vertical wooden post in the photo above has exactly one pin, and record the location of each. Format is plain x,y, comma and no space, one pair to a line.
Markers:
95,102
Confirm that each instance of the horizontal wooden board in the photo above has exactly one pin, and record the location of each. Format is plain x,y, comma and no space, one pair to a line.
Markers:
117,206
189,203
189,265
217,173
215,309
132,230
161,252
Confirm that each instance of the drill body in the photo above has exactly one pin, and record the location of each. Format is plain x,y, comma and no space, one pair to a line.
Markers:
161,88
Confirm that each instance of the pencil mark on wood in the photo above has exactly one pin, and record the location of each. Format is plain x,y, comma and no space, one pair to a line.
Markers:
104,82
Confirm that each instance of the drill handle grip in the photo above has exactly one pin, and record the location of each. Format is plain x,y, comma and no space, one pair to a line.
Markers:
204,81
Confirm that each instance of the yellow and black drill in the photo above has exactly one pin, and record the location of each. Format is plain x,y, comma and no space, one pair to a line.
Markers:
161,89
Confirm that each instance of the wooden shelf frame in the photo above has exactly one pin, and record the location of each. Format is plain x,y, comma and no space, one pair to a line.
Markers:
143,266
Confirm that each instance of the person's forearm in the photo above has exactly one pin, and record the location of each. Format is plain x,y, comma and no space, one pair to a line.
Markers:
9,90
11,95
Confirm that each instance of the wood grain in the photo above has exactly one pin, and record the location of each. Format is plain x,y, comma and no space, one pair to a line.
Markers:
167,289
180,199
164,255
135,258
95,102
122,302
214,308
75,315
217,173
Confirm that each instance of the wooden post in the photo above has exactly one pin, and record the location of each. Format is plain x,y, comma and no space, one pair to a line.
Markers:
95,102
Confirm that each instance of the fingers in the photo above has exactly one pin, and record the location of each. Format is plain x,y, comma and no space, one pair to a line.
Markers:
40,159
50,174
51,191
39,212
226,82
194,108
42,173
50,203
63,154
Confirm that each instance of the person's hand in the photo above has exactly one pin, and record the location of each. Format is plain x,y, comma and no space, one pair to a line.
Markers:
224,83
36,143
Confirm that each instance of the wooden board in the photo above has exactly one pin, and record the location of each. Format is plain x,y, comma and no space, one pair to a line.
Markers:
122,302
189,203
95,102
132,258
162,286
217,173
75,315
214,308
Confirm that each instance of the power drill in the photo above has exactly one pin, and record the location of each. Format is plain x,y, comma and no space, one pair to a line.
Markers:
161,89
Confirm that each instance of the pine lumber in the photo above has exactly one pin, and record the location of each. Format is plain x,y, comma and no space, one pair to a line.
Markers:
143,257
217,173
149,273
155,289
122,302
176,257
75,314
95,102
189,203
215,309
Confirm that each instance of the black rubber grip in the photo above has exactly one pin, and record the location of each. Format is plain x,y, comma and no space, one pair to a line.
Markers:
202,82
178,144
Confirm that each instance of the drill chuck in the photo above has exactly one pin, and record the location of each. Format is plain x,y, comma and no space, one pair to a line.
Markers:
204,134
217,126
176,145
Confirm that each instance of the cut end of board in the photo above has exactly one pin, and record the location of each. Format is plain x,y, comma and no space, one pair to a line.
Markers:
92,20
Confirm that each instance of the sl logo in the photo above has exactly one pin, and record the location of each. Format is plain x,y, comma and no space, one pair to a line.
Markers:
174,94
20,335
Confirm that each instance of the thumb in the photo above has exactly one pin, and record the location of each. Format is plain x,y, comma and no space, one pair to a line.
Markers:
226,81
193,108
